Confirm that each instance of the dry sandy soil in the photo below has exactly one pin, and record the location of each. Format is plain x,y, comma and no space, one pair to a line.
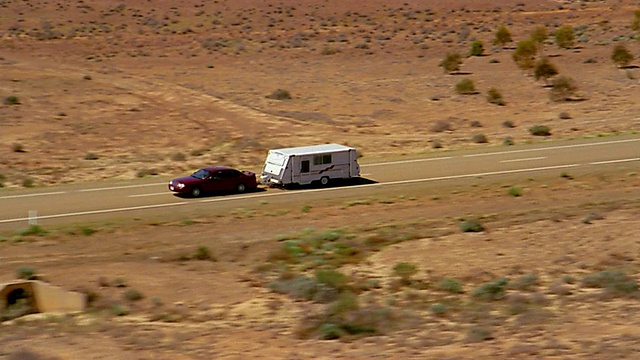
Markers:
148,88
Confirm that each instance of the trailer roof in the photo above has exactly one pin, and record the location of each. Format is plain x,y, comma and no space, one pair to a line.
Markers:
313,149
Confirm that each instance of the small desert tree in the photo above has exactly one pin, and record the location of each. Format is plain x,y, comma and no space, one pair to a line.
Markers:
495,97
621,56
451,62
525,54
477,48
503,36
564,37
563,88
539,34
635,23
544,69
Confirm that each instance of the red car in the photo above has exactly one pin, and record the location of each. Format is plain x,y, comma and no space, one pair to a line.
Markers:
216,178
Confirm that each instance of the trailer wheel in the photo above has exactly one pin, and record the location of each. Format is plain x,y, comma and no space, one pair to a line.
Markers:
241,188
324,181
195,192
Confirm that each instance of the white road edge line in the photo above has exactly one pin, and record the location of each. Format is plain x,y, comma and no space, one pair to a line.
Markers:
526,159
553,148
613,161
30,195
150,194
92,212
120,187
406,161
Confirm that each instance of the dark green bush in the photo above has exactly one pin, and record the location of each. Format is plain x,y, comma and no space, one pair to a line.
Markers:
11,100
515,192
32,230
491,291
471,225
332,278
479,139
202,253
540,130
477,48
544,69
539,34
405,270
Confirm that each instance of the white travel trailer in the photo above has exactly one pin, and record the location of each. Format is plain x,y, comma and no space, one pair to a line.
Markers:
306,164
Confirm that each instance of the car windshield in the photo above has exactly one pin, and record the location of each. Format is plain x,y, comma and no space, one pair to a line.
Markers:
201,174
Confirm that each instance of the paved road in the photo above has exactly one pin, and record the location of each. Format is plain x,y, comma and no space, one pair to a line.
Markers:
138,199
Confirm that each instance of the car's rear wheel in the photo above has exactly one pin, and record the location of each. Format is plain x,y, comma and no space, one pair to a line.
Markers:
241,188
195,192
324,181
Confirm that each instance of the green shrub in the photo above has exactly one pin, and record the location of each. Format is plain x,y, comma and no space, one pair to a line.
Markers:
330,332
471,225
495,97
449,285
451,62
515,192
525,282
614,281
279,94
502,36
438,309
26,272
28,182
507,141
540,130
544,69
133,295
564,37
347,302
404,270
466,87
32,230
332,278
491,291
11,100
508,124
525,53
477,48
85,230
621,56
327,50
119,310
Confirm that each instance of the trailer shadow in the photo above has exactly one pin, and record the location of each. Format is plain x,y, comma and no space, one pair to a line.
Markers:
335,183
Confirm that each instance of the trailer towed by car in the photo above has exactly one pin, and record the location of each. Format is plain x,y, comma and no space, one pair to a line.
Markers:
306,164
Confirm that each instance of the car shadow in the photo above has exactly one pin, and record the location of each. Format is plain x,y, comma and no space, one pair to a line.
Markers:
259,189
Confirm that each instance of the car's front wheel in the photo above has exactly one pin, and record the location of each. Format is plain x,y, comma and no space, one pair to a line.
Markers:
195,192
241,188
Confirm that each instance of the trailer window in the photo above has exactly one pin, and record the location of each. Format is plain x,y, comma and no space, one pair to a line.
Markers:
322,159
304,166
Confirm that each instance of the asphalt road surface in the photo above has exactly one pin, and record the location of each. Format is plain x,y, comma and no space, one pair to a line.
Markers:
150,197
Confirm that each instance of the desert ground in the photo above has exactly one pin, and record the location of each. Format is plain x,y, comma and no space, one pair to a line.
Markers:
107,91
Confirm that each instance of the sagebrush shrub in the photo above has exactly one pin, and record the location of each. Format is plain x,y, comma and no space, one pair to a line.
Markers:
544,69
479,139
502,36
563,88
449,285
477,48
525,54
466,87
279,94
26,272
11,100
564,37
621,56
133,295
539,34
404,270
495,97
451,62
491,291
